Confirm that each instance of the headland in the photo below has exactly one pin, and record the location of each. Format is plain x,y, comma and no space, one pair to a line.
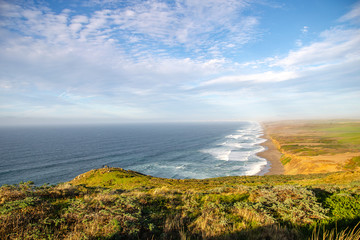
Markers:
306,147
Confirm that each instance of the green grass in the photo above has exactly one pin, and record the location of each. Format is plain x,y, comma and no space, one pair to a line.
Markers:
285,160
346,133
117,178
353,163
113,203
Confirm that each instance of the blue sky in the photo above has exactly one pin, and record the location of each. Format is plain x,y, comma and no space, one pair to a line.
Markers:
185,60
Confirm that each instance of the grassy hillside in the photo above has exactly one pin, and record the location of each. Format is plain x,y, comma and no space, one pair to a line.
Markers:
112,203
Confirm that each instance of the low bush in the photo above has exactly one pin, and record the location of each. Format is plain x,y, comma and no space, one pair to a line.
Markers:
221,208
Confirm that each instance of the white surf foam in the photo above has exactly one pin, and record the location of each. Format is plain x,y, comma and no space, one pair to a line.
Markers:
219,153
240,155
234,136
256,168
242,146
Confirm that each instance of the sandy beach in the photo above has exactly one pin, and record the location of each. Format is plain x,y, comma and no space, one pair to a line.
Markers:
272,155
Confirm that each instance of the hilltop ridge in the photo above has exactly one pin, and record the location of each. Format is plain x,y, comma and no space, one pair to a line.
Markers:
113,203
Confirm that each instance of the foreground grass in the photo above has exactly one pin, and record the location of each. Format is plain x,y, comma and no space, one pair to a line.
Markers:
112,203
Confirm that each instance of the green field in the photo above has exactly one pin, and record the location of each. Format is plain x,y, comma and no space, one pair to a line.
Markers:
320,138
345,133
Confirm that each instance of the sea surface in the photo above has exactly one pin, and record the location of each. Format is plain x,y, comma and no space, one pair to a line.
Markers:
52,154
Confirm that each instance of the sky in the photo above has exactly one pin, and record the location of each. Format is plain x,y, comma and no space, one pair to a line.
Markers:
114,61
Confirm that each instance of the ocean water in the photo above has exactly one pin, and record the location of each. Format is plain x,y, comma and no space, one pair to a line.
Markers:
196,150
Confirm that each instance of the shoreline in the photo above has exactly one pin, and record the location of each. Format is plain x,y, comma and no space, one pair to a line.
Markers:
272,155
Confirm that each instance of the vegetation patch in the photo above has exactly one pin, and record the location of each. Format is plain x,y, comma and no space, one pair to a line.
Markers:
131,205
353,163
285,159
344,205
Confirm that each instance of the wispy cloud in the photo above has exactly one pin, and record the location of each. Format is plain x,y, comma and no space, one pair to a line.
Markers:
353,15
338,45
119,41
259,77
305,29
192,24
337,49
130,59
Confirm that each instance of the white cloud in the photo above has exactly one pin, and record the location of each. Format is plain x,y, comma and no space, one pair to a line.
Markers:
353,15
337,46
56,52
335,55
269,76
305,29
298,43
190,24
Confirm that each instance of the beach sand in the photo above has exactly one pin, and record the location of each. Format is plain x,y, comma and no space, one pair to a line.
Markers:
272,155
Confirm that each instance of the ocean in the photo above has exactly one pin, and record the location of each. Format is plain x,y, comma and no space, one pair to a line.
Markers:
50,154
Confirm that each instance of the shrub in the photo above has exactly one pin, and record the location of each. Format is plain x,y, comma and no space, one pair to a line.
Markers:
343,206
288,204
353,163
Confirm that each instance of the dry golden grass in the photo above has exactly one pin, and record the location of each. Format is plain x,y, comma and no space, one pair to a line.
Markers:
254,207
347,234
315,146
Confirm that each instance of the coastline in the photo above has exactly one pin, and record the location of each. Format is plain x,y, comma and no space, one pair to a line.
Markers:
272,155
